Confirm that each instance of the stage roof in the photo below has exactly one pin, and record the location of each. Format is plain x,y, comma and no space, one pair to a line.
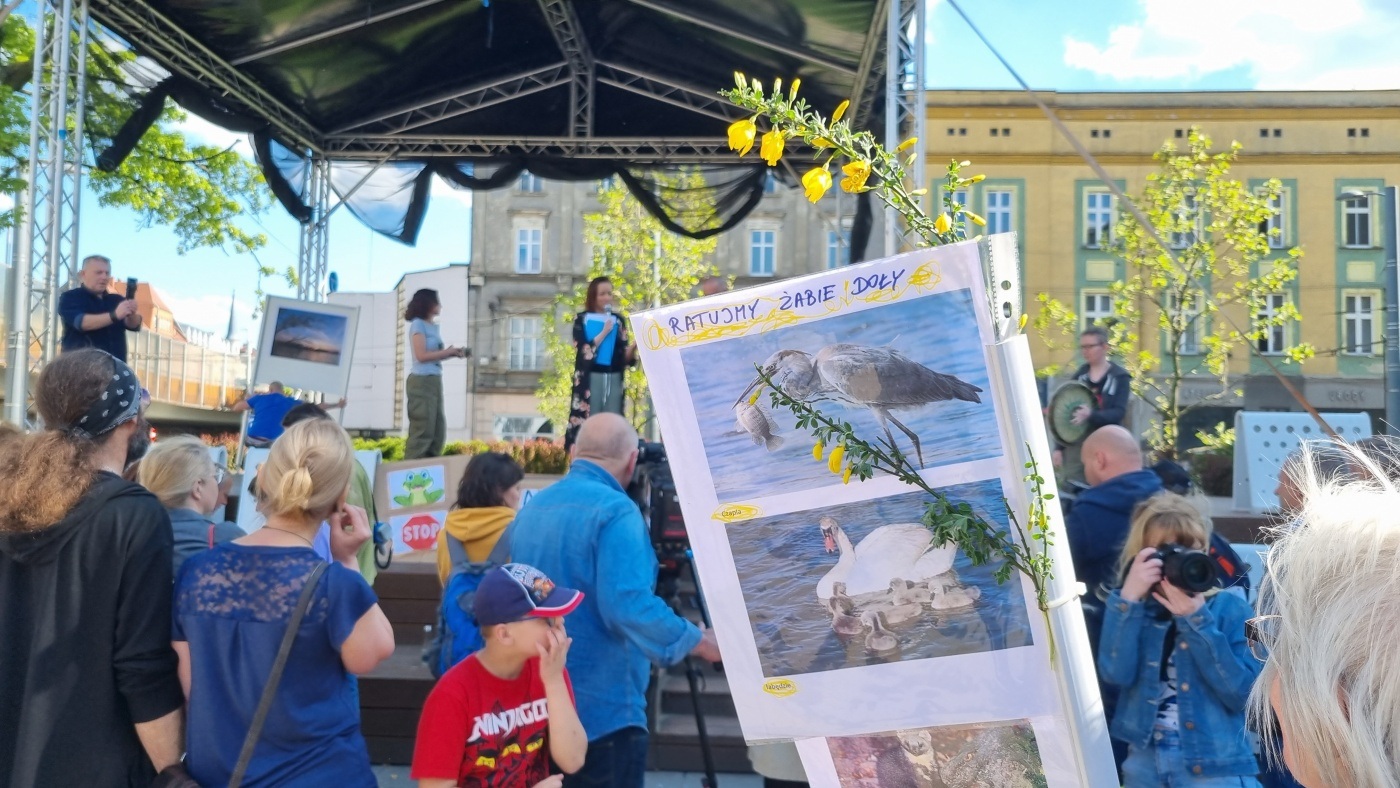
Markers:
632,82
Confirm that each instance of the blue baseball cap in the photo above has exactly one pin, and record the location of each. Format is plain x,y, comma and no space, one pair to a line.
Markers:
515,592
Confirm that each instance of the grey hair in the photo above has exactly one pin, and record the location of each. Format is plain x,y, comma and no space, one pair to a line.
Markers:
173,467
1333,581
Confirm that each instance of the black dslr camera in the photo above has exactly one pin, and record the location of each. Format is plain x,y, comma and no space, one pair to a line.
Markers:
654,491
1189,570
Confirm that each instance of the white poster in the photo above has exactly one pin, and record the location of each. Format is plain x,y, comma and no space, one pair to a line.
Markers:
307,345
836,615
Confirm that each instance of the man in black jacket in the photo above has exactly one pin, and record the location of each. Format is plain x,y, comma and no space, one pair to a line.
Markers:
1111,386
89,693
93,317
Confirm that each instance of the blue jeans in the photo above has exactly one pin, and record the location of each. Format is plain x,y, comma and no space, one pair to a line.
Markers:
1159,765
617,760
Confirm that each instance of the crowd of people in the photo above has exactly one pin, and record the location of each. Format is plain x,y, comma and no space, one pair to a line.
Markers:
144,643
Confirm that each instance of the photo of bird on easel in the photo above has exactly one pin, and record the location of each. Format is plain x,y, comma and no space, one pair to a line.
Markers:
909,374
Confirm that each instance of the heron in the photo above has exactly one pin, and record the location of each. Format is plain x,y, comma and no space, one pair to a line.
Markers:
879,378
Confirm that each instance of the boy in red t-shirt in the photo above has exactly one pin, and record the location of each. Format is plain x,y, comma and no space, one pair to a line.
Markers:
498,717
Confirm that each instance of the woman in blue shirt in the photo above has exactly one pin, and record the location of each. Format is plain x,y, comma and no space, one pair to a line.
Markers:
232,605
1182,662
427,424
180,472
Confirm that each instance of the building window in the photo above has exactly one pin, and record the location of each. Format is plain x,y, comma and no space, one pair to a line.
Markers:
526,344
1098,219
529,246
1356,221
522,428
1190,213
1359,324
770,184
1189,343
838,248
530,183
763,251
607,183
998,211
1271,342
960,197
1277,220
994,132
1098,308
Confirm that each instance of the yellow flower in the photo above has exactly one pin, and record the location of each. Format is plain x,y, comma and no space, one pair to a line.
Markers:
817,450
977,220
856,173
833,463
777,86
822,142
906,145
740,81
741,134
978,178
840,110
846,476
772,148
792,91
1022,325
815,183
942,224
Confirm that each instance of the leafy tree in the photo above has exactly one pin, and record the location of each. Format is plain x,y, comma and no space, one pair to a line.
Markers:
1191,309
205,194
624,239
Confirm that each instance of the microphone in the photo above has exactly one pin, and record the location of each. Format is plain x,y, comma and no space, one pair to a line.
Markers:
607,309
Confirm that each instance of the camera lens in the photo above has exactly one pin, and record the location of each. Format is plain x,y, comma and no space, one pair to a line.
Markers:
1189,570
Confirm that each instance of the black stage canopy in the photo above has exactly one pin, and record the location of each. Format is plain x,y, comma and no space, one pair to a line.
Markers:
475,91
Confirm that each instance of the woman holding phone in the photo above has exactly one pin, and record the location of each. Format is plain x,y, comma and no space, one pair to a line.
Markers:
603,351
427,423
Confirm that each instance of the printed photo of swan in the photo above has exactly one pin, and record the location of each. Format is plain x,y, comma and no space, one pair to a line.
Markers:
911,374
955,756
864,584
308,336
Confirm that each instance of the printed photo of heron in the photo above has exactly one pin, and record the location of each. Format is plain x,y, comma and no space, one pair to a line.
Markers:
957,756
864,584
911,374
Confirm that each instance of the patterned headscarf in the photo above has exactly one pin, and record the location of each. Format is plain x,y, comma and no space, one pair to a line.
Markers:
119,403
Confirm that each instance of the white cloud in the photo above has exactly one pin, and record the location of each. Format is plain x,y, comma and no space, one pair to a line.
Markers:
200,130
1279,44
210,312
442,190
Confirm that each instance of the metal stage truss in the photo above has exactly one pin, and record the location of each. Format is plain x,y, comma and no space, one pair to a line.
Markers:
881,66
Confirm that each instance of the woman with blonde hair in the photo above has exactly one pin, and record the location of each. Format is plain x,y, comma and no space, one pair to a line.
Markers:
234,605
1180,659
184,477
1331,597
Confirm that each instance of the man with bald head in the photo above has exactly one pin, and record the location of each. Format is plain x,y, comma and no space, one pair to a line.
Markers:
584,532
1098,522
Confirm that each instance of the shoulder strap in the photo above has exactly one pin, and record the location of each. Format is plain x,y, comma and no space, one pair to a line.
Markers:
456,550
211,535
500,554
250,742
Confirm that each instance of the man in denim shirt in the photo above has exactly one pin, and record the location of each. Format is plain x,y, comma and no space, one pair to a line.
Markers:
585,533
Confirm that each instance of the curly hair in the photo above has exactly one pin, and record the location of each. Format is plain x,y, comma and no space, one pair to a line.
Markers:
46,473
420,306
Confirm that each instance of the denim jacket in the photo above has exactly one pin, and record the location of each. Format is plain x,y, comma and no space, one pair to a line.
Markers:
1214,673
584,532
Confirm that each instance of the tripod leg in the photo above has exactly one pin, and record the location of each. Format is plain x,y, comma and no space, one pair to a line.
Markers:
692,674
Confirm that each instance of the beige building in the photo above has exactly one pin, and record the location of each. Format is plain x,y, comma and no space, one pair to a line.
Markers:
1320,145
527,245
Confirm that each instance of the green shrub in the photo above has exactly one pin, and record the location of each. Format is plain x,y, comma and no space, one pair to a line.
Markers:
539,455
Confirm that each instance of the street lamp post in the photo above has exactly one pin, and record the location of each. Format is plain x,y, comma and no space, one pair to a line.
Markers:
1392,299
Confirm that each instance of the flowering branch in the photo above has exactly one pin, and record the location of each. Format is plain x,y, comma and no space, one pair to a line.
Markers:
865,159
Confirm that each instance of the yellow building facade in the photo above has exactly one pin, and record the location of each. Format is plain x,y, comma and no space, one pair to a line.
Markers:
1319,145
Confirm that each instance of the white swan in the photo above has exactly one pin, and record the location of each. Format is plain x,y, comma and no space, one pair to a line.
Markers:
898,550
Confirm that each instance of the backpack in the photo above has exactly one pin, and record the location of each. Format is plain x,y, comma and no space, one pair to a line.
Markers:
1234,572
457,635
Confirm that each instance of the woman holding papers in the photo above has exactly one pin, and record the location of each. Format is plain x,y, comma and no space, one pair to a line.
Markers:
603,350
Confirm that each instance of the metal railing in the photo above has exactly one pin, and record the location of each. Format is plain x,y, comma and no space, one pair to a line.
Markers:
179,373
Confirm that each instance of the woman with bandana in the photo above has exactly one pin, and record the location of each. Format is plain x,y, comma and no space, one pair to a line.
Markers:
89,693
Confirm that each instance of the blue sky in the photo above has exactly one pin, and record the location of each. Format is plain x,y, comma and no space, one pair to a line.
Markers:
1055,44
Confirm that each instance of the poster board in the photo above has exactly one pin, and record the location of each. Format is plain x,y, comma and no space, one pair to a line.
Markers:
903,349
1264,439
307,345
414,496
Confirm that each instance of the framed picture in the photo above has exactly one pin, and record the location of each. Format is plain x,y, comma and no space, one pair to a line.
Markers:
307,345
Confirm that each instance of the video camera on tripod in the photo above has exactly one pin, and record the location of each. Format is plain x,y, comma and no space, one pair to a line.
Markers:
653,489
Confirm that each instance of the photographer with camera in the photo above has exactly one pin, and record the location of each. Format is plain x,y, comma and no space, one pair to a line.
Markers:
1176,648
584,532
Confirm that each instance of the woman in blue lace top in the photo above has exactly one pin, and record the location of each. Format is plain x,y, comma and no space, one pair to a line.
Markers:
232,605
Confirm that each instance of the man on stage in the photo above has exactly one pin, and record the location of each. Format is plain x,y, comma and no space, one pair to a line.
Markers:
93,317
